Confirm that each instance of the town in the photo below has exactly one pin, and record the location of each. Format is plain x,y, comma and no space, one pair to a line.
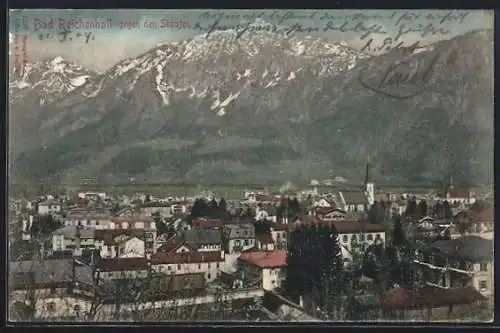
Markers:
321,253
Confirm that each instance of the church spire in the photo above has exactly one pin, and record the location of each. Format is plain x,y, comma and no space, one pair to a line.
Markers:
368,173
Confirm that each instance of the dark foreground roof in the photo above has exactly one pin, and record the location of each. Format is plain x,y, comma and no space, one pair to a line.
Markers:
401,298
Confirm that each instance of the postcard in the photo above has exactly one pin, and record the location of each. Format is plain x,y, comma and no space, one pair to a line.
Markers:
250,165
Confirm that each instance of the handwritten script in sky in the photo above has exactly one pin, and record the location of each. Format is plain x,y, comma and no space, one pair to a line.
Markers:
368,30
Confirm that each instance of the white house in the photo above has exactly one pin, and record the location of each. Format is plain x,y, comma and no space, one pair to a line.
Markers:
123,243
268,213
209,263
49,207
123,268
356,235
92,195
269,265
73,238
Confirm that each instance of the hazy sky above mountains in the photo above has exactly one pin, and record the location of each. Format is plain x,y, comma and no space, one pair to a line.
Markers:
111,45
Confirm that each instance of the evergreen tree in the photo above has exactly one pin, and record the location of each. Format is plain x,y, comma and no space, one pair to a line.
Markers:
447,212
376,213
222,205
398,235
213,208
423,209
438,210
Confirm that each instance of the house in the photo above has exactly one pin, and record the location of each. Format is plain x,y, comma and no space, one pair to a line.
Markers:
122,268
329,213
269,265
203,239
354,200
457,196
279,233
175,243
49,207
132,222
266,213
206,224
479,222
174,263
92,195
264,242
179,207
238,237
353,236
75,239
151,208
60,289
324,202
86,218
461,262
114,243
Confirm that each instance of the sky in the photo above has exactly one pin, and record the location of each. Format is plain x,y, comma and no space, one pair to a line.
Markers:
129,34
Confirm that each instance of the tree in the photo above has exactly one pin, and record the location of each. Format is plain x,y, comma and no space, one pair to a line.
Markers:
438,210
213,209
199,208
44,225
222,205
447,212
423,208
376,213
411,207
398,235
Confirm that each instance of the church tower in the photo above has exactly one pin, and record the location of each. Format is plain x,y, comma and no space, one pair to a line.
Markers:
369,185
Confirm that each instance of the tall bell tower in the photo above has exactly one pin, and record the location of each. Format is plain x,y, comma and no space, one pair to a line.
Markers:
369,185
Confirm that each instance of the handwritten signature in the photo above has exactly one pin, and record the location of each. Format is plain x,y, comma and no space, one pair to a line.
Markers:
404,78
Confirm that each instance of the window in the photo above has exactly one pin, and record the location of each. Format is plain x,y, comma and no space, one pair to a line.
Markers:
246,242
179,266
483,267
483,285
209,266
96,222
353,239
88,222
237,242
273,281
362,237
76,308
208,276
168,268
345,238
79,222
52,291
278,235
217,265
369,237
199,266
51,306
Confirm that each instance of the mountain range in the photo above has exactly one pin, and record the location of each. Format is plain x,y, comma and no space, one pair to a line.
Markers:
259,109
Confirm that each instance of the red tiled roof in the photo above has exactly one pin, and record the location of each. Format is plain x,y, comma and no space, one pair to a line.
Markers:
206,224
483,216
265,259
401,298
122,264
186,257
172,244
265,239
109,235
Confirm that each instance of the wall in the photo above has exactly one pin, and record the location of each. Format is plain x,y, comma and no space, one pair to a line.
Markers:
133,245
211,269
272,278
487,276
